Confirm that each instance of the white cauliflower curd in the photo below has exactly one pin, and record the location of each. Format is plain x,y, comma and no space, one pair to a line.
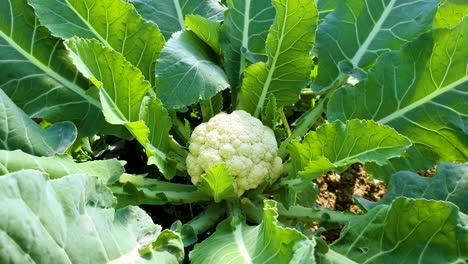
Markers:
241,141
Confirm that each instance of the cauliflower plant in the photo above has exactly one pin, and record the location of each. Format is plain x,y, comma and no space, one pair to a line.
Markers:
241,141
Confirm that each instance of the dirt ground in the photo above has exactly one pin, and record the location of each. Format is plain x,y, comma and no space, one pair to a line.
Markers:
336,191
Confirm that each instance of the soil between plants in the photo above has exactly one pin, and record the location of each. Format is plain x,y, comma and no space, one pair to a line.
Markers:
336,192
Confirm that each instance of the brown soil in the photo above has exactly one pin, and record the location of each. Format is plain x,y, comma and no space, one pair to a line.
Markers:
336,191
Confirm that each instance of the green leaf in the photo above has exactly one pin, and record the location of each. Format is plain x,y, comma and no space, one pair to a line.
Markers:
450,13
449,184
159,123
218,183
73,220
60,165
187,71
113,22
245,29
325,7
421,92
39,77
18,131
357,32
266,243
338,145
288,67
122,90
207,30
407,231
169,15
121,86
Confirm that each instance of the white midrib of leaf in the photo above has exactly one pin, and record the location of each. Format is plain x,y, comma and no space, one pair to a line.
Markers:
241,245
130,257
375,30
422,101
91,28
180,14
339,258
351,158
68,84
245,36
271,70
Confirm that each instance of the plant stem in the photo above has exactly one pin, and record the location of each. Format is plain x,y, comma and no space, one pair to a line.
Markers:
305,123
207,109
285,122
136,190
179,127
253,212
206,219
315,214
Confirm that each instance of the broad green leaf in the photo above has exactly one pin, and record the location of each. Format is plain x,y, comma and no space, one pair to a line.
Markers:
237,242
288,67
60,165
325,7
121,86
421,91
169,15
207,30
187,71
449,184
245,29
357,32
73,220
159,123
37,74
338,145
115,23
450,13
407,231
122,89
218,183
18,131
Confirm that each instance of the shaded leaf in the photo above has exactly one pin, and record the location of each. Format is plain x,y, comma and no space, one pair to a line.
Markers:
450,183
18,131
357,32
170,15
207,30
187,71
39,77
421,91
325,7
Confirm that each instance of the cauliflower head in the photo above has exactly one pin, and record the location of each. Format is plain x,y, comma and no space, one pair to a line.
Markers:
248,148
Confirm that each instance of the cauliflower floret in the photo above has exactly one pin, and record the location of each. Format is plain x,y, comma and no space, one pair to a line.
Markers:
248,148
